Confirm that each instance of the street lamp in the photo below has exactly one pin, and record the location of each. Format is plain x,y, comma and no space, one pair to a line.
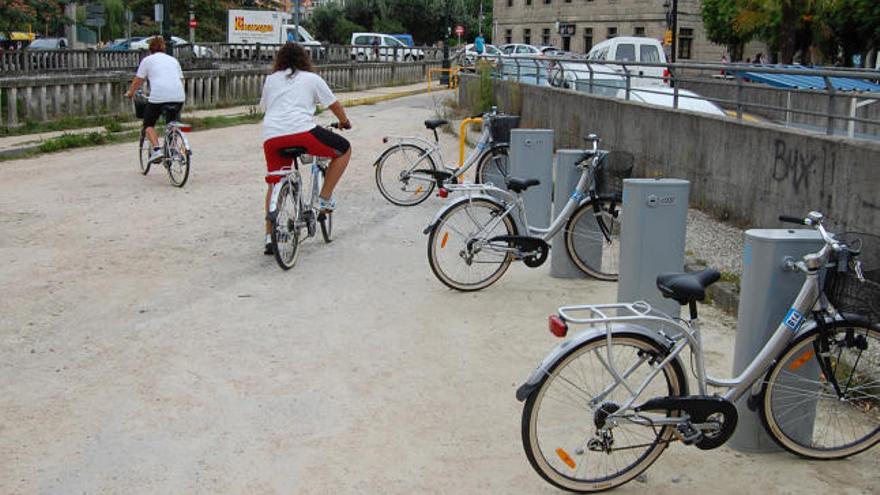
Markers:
444,75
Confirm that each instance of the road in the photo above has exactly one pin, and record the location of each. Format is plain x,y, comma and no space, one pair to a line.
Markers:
147,345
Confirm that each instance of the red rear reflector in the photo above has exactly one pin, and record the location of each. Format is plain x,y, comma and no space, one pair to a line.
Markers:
185,128
666,75
443,193
557,327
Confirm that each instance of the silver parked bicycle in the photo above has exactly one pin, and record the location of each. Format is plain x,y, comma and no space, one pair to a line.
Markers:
408,171
606,402
474,239
293,207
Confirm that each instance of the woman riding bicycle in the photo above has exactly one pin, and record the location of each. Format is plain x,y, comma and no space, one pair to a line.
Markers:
289,98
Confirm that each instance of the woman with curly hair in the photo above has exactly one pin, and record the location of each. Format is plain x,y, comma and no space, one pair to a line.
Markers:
290,95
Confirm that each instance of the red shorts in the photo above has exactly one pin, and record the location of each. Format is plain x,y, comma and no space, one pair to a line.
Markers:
318,142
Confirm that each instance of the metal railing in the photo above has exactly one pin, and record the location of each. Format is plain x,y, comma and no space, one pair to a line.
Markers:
719,89
201,55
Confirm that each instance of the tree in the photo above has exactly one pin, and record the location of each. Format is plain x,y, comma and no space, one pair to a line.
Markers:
718,20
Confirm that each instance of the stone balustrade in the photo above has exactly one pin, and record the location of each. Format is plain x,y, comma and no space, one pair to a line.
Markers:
51,97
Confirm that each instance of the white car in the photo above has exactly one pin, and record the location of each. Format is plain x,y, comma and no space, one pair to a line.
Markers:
663,96
519,49
468,56
583,77
382,48
198,50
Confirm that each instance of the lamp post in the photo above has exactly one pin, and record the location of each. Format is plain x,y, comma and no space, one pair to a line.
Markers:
166,26
192,17
444,76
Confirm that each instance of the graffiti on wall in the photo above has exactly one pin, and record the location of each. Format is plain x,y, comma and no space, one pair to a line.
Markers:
805,170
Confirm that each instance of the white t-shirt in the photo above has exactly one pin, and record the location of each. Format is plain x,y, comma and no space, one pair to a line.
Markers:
290,102
165,76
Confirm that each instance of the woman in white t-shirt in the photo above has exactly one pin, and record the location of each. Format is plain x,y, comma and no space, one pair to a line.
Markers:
166,90
290,95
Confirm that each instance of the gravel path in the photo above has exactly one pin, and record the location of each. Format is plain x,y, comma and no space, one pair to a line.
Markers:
718,244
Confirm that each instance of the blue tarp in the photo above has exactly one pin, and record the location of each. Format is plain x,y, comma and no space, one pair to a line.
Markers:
810,82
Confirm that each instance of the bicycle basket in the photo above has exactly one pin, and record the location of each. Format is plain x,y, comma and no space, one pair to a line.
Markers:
140,104
845,291
612,169
500,126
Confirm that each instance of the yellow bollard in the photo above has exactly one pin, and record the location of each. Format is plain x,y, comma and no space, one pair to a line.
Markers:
462,135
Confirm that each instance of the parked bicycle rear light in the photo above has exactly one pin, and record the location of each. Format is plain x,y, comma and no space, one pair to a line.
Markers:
443,192
185,128
558,327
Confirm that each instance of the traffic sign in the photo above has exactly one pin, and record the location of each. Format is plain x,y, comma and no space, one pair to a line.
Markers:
459,30
158,12
667,39
193,23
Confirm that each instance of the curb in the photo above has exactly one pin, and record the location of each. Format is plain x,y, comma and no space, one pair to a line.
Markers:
722,295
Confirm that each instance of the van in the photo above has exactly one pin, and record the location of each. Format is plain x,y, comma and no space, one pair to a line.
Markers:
378,47
633,49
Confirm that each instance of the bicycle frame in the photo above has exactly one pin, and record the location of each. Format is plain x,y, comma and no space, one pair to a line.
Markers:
169,128
788,330
514,207
434,148
291,175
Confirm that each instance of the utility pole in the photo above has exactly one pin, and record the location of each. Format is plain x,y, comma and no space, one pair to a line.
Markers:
480,25
166,26
444,76
192,17
296,21
674,29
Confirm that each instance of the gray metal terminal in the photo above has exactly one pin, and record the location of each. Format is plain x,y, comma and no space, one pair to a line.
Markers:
652,235
566,176
767,291
531,157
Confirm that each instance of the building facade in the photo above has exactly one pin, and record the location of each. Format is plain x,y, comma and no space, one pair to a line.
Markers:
577,25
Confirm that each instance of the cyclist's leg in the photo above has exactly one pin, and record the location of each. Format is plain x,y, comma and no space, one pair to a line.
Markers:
323,143
274,162
151,116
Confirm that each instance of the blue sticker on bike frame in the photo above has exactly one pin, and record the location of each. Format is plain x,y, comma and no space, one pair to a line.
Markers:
793,319
577,196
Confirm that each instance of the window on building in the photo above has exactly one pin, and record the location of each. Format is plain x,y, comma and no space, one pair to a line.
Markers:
547,1
508,36
528,2
639,31
567,1
612,33
527,36
545,36
510,3
685,43
588,39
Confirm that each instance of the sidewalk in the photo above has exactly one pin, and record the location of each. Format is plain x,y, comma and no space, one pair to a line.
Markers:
12,145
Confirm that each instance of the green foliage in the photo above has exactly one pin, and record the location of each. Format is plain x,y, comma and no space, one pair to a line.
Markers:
67,141
389,26
487,88
718,20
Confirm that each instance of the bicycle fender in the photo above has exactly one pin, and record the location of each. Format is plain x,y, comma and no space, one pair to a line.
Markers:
531,384
456,202
273,202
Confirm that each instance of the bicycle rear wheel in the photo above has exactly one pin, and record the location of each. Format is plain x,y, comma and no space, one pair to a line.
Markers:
494,166
564,432
803,410
285,233
144,149
592,238
178,159
459,250
403,174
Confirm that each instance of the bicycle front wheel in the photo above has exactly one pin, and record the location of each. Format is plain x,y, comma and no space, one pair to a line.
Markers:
403,174
592,238
178,159
144,149
831,411
564,432
285,232
460,248
494,166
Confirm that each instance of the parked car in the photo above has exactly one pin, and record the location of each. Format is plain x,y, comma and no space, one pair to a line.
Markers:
406,39
663,96
49,44
382,47
584,77
198,50
123,44
634,49
468,55
514,49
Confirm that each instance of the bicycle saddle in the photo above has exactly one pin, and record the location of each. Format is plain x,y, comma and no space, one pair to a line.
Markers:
687,287
294,152
519,185
435,123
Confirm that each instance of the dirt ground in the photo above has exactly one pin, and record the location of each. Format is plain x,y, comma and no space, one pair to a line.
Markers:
148,346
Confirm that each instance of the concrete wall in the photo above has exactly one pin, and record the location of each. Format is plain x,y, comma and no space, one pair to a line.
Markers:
747,173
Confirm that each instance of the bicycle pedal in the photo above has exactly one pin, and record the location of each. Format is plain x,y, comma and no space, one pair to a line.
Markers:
689,435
